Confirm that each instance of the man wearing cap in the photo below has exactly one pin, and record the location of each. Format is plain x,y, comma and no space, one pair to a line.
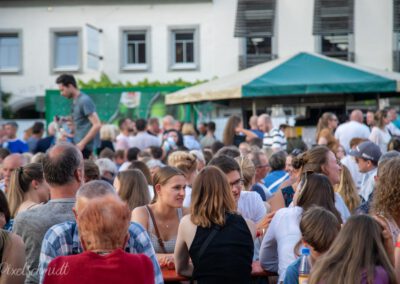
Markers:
367,155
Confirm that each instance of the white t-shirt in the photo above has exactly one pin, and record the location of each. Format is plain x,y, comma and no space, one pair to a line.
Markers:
251,206
368,184
350,163
277,247
349,130
341,207
188,197
122,142
380,137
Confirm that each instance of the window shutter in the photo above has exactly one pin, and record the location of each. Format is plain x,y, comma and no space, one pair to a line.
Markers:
396,16
333,17
255,18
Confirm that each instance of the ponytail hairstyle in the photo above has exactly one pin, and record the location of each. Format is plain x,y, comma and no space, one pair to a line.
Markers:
20,184
162,176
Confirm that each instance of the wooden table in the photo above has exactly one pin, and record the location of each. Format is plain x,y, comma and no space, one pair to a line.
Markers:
256,272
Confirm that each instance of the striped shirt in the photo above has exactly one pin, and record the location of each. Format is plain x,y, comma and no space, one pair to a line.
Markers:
275,140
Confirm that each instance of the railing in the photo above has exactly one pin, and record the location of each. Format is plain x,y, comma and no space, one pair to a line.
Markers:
249,60
343,55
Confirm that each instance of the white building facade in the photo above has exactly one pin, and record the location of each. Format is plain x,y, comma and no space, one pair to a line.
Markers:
163,40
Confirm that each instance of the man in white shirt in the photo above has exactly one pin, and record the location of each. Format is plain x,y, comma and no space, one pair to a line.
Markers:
143,139
125,127
274,139
352,129
367,156
250,204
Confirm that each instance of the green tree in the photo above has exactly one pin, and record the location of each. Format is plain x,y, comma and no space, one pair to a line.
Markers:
6,109
105,82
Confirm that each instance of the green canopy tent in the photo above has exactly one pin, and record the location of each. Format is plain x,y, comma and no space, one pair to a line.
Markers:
300,75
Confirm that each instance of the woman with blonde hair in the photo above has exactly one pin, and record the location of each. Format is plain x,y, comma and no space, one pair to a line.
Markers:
380,134
386,202
27,188
357,255
347,189
234,133
108,135
161,218
103,230
189,137
217,239
187,163
131,186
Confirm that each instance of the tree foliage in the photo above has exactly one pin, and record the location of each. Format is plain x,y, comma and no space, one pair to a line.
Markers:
105,82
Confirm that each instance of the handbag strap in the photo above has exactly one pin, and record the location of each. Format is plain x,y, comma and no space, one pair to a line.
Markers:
216,229
160,241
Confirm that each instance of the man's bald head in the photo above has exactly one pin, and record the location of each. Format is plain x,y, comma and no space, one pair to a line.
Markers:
168,122
264,123
10,163
356,115
61,163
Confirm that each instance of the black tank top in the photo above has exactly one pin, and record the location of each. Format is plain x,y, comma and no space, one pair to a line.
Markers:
228,257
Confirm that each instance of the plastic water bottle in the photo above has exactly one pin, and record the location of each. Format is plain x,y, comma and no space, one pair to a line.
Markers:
305,266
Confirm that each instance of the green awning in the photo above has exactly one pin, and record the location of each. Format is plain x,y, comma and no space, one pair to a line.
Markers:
309,74
299,75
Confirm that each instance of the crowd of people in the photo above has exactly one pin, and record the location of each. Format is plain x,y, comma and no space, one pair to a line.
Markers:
157,194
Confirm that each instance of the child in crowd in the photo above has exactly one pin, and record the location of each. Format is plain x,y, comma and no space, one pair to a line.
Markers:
319,228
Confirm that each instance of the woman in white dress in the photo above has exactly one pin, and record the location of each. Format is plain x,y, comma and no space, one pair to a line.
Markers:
380,134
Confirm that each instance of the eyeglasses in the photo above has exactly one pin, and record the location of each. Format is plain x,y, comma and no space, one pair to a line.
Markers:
237,183
339,162
263,166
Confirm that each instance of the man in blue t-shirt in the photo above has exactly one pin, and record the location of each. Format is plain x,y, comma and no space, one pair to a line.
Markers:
13,144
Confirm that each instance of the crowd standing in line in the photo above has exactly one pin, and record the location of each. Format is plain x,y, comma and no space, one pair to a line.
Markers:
147,195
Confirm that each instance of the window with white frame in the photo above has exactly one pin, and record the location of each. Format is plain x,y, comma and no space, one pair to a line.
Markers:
135,50
66,51
184,48
10,52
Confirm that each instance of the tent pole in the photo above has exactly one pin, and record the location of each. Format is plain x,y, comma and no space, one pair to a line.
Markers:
254,107
378,96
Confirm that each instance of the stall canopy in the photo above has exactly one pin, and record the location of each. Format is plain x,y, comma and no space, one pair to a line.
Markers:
299,75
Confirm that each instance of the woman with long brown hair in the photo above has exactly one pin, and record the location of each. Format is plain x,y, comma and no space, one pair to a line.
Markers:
217,239
234,133
161,218
131,186
327,124
357,255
